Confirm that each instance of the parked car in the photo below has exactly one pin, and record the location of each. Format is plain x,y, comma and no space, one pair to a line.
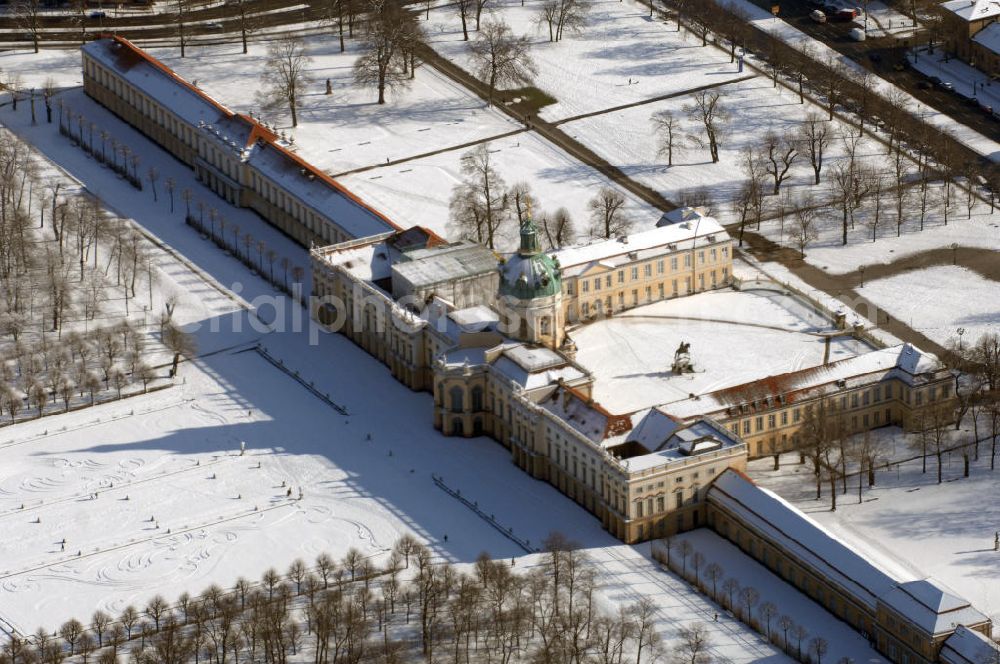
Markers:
948,85
214,26
844,15
984,107
818,16
97,14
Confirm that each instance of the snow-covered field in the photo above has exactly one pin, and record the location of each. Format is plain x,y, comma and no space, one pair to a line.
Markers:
630,354
622,56
944,531
419,190
830,254
627,138
938,301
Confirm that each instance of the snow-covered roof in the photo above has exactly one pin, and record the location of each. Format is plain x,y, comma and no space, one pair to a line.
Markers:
967,646
478,317
653,428
317,190
534,358
681,444
428,267
903,361
973,10
989,37
931,607
584,415
156,80
574,260
368,262
808,541
535,378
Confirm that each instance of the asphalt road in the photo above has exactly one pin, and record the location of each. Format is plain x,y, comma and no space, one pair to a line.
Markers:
882,56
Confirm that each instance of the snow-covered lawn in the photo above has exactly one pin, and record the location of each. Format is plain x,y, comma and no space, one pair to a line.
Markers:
627,139
735,337
911,523
829,253
419,190
937,301
844,641
621,56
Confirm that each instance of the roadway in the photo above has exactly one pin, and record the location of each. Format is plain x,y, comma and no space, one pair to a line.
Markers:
886,57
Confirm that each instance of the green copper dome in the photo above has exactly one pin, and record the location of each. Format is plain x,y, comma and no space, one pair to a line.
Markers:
530,273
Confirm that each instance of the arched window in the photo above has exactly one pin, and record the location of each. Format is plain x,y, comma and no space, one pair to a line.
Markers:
544,325
457,398
457,428
477,398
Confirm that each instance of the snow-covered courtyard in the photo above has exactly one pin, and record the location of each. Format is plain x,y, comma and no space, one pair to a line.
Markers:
631,353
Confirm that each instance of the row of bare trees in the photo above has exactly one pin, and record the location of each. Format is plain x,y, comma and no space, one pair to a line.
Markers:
483,207
743,600
412,608
69,273
917,155
827,441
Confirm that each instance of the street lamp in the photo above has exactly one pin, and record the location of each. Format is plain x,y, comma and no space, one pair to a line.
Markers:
960,331
954,253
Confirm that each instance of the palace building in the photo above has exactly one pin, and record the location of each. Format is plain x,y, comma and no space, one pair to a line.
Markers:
490,337
242,160
911,620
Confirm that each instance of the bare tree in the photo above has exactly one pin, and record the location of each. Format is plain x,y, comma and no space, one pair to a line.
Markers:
285,75
561,16
180,343
500,58
607,217
388,28
247,21
667,128
558,228
695,644
804,231
780,154
479,205
27,15
818,646
464,8
708,110
180,20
